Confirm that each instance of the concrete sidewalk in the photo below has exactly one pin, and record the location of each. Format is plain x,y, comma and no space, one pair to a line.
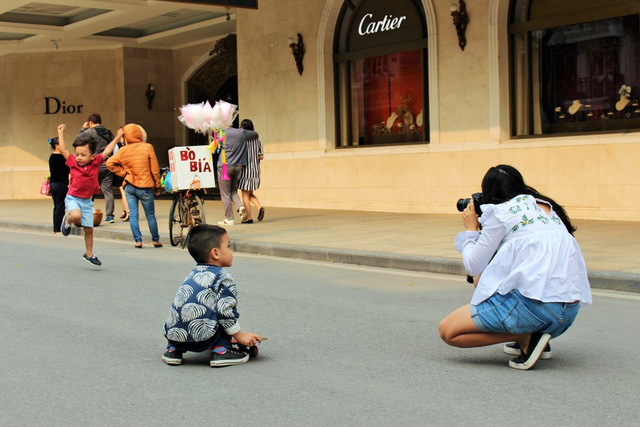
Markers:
415,242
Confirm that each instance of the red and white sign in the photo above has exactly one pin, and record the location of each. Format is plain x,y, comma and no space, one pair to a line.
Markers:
191,168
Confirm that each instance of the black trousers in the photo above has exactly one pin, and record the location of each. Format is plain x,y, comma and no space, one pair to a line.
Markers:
58,193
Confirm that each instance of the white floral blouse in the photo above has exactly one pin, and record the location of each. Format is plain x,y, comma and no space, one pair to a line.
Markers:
521,247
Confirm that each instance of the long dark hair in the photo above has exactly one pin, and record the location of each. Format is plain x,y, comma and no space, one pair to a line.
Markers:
503,182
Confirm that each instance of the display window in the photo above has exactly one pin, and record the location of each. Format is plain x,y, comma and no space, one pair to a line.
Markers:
381,73
575,71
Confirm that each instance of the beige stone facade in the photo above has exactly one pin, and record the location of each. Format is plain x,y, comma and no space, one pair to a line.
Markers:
594,176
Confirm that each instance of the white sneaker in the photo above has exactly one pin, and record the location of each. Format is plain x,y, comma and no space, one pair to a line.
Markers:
225,222
244,215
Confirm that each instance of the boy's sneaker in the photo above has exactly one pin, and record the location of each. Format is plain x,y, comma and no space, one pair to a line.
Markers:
109,219
172,357
526,360
228,358
65,228
515,350
93,260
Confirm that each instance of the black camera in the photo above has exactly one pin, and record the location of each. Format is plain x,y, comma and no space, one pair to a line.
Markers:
463,203
53,141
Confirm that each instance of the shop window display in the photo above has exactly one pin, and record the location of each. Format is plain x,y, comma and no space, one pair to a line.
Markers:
380,57
387,92
577,78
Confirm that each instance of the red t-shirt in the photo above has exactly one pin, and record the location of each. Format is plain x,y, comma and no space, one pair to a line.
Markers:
84,179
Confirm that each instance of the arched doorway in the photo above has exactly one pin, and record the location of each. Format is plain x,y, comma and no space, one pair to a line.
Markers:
216,80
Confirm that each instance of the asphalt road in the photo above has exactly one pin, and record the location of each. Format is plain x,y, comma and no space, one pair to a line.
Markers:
347,345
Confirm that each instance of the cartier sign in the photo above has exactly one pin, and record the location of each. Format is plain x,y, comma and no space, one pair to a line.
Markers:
368,25
378,23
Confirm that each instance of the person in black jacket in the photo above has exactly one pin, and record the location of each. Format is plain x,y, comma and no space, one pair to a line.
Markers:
59,180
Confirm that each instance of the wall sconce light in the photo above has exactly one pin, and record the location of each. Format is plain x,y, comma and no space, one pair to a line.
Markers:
297,49
150,94
228,16
460,21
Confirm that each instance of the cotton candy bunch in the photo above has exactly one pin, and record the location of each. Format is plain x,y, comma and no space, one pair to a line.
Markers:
211,121
206,119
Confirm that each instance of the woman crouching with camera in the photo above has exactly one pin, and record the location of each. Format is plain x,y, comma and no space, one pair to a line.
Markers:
531,278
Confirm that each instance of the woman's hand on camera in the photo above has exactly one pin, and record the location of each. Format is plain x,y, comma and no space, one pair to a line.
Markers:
470,219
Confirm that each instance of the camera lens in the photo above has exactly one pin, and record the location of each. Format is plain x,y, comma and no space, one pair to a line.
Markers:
462,204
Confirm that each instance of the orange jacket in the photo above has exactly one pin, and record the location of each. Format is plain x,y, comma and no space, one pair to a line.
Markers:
136,162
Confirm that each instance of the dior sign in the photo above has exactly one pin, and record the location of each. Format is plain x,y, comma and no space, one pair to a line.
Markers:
368,25
53,105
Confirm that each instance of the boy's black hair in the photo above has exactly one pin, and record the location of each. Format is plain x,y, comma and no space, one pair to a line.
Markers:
202,239
84,139
95,118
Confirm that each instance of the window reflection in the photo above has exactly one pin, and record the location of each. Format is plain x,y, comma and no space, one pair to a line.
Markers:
578,78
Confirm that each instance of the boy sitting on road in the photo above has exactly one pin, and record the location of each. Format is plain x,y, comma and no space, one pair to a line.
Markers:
203,314
84,166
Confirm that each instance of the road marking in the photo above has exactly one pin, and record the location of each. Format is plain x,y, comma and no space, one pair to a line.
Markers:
354,267
616,294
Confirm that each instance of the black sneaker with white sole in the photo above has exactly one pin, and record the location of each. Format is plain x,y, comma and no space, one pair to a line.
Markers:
65,228
525,361
93,260
228,358
515,350
172,357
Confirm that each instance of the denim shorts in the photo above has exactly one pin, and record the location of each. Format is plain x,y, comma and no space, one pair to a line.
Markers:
85,206
515,314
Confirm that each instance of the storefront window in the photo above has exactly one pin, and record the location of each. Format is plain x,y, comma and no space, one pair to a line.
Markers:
387,93
583,77
381,88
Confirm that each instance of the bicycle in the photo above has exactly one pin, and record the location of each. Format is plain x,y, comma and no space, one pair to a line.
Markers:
186,212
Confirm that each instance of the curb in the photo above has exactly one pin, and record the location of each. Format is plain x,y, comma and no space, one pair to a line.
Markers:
599,279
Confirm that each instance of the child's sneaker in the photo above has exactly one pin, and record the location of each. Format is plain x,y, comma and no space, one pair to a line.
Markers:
93,260
65,228
172,357
109,219
228,358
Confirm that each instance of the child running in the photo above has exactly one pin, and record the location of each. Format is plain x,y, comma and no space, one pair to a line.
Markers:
84,165
203,314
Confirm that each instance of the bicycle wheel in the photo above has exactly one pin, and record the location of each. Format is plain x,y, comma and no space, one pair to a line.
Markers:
197,211
195,215
176,216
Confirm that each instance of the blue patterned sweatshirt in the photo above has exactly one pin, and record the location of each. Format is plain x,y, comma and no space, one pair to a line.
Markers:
206,299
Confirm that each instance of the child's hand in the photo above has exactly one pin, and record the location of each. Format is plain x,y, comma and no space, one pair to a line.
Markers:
61,128
247,339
